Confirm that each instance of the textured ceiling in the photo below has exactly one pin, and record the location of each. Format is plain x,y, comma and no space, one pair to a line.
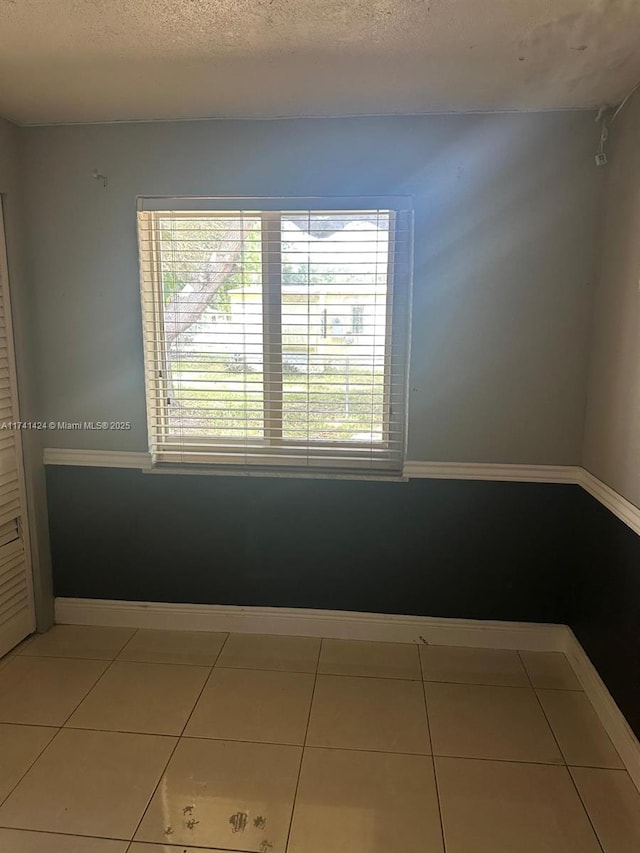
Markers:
102,60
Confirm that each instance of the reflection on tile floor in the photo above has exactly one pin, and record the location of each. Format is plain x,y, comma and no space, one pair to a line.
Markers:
117,741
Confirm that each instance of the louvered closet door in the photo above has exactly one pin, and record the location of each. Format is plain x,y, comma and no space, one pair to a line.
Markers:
16,595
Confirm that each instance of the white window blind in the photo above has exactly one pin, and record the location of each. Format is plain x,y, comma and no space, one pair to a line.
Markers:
276,332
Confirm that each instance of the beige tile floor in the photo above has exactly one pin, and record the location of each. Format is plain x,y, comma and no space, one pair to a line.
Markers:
122,741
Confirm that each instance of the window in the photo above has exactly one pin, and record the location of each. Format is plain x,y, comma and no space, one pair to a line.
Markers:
276,332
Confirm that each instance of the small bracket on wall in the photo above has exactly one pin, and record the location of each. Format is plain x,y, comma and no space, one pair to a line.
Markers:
98,176
605,117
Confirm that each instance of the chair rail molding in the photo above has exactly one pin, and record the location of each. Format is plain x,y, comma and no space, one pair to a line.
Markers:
490,472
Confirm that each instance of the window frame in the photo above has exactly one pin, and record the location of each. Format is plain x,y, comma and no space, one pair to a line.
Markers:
274,450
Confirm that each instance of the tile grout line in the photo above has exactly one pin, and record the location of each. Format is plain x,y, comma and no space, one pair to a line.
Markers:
16,650
433,757
224,634
337,748
111,663
153,792
118,659
565,765
304,746
177,743
119,651
296,671
204,686
89,692
67,834
30,725
546,719
497,760
73,728
347,749
332,674
126,841
4,799
213,666
179,848
136,631
61,727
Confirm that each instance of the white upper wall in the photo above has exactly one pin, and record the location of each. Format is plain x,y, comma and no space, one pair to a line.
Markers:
612,431
91,60
505,222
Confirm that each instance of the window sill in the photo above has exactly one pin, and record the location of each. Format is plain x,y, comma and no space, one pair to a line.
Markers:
279,473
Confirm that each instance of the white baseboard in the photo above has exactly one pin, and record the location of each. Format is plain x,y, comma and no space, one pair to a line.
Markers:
339,624
605,706
350,625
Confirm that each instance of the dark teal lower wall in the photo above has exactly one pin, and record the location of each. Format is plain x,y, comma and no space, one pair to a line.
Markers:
433,547
603,607
482,550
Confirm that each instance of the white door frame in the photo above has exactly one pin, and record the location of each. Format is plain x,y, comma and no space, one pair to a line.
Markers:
14,631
